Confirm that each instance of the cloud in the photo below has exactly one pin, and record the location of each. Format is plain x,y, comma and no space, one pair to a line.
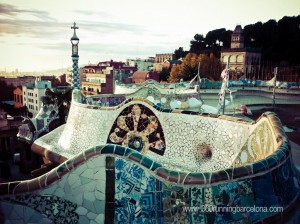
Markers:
29,27
103,14
128,50
101,28
11,23
11,10
45,26
7,9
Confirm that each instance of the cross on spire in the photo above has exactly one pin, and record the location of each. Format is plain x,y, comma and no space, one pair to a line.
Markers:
74,27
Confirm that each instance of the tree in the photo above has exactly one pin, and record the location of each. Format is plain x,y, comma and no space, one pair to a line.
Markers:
210,67
217,35
164,74
180,53
211,42
216,39
175,74
278,41
198,44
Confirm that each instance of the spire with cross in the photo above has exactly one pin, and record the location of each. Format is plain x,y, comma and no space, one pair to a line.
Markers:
74,39
75,28
75,57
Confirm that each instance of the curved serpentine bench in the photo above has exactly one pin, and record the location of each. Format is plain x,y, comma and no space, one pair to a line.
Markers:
137,163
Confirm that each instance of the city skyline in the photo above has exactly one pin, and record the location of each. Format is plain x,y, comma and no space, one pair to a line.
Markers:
35,35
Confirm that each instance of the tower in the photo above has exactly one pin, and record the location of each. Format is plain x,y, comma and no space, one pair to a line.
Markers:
237,37
75,58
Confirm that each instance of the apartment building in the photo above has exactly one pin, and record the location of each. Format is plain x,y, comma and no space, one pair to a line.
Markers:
32,95
141,64
100,78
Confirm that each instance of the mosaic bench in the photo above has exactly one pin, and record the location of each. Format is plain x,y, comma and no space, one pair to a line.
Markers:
139,163
180,98
183,140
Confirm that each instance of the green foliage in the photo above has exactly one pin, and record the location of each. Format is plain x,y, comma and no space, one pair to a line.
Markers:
189,71
210,67
175,74
164,74
198,44
278,41
214,36
180,53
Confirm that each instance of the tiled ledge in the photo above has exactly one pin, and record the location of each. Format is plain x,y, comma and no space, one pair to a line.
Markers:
77,96
158,170
49,155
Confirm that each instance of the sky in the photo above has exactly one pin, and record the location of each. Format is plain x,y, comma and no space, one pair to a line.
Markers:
35,34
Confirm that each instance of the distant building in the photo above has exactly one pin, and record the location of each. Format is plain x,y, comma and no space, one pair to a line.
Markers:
50,78
141,64
32,95
55,80
100,78
92,84
241,60
159,61
142,76
108,86
105,67
160,58
98,83
18,97
19,80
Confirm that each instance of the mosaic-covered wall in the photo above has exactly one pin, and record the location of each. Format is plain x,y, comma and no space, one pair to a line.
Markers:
178,139
31,129
168,99
182,87
60,196
260,144
114,184
142,198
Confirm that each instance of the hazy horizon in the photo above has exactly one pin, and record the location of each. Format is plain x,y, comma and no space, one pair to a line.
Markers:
35,35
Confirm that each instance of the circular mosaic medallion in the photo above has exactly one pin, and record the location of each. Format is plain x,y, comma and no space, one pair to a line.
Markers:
138,128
